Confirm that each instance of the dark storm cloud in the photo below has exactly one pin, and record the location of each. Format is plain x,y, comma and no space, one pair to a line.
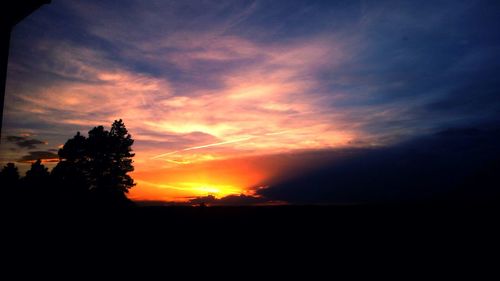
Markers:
42,155
453,164
478,97
25,142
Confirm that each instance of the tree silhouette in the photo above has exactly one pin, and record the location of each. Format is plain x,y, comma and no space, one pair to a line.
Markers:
96,167
91,170
9,174
38,173
70,176
122,156
36,184
9,178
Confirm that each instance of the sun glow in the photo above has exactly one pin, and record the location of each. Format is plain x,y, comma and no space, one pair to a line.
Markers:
218,178
195,189
218,190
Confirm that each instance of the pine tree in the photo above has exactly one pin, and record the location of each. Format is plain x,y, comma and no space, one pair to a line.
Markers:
99,164
9,180
9,174
122,156
37,173
37,183
70,176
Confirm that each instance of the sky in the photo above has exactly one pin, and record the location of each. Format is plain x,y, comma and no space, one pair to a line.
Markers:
239,99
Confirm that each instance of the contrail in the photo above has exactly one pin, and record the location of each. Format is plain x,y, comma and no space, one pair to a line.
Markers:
218,143
202,146
277,133
165,154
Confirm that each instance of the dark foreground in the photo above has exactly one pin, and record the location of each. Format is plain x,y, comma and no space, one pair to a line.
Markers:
276,238
261,221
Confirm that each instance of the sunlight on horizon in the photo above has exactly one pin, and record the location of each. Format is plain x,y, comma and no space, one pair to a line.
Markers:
184,190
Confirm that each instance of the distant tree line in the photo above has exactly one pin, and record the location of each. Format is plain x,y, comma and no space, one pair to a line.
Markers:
92,171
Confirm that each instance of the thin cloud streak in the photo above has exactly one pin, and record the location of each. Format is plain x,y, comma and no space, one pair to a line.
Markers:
203,146
215,144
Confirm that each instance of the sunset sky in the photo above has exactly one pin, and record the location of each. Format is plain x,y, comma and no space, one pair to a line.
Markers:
225,97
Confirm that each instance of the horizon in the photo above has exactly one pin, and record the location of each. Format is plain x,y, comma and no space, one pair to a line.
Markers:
253,101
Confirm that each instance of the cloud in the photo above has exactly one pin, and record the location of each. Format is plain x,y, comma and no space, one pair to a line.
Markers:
453,164
25,142
45,156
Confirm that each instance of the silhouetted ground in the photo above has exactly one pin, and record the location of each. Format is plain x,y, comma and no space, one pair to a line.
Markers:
246,221
277,238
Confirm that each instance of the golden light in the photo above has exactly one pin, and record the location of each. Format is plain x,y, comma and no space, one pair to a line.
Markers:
218,178
180,190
